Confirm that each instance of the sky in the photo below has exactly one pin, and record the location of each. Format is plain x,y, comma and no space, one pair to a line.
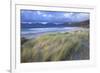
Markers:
44,17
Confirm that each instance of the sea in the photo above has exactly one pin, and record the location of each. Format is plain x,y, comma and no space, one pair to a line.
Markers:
35,32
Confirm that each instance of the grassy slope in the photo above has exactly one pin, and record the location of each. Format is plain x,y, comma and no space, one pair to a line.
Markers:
57,46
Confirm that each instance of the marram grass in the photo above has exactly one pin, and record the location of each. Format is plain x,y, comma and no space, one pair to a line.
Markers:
72,45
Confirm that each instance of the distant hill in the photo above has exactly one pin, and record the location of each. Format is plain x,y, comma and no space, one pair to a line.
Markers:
79,24
40,25
49,25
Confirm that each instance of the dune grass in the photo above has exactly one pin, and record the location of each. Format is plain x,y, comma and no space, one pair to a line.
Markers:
72,45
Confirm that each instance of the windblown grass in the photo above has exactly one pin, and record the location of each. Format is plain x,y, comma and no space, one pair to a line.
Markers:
72,45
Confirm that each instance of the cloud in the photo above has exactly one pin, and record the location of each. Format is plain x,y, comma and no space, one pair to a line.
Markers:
67,15
39,12
44,23
50,15
53,17
44,15
80,16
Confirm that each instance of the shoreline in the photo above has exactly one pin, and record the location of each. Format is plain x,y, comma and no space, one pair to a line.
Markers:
32,35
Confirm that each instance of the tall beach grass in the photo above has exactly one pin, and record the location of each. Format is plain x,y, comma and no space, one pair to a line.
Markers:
63,46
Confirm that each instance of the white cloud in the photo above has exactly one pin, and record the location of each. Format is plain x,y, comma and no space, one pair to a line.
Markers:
44,22
81,16
44,15
67,14
57,23
39,12
49,15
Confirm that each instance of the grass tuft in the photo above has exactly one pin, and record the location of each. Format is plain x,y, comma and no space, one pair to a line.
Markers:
72,45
